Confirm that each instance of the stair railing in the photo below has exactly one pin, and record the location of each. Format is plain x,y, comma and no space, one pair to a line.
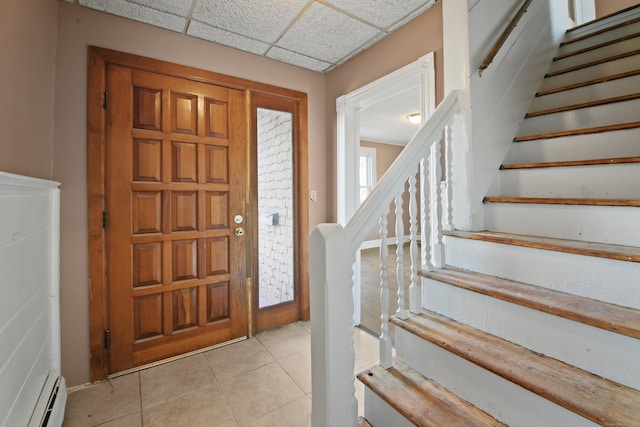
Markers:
503,37
332,253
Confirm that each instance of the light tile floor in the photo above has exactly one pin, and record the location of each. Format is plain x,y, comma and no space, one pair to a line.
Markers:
264,381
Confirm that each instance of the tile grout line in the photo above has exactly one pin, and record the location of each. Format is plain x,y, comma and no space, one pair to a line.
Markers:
215,377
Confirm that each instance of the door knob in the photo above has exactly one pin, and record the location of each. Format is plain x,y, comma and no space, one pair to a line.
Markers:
239,231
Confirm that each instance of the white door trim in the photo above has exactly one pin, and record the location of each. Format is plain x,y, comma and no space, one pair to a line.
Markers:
419,73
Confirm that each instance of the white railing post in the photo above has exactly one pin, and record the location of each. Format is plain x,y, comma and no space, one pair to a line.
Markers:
414,287
332,352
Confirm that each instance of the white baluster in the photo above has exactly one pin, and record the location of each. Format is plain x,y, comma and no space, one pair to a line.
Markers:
414,287
436,219
425,213
448,174
401,312
385,340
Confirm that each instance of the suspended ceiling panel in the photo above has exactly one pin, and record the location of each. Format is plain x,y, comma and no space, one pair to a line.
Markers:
314,34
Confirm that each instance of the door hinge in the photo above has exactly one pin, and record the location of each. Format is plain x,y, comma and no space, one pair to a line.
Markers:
105,100
107,338
105,218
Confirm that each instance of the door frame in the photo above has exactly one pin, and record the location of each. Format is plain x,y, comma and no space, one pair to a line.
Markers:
420,73
98,60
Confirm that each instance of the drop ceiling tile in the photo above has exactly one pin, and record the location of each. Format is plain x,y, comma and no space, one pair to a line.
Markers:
138,13
207,32
297,59
177,7
382,13
326,34
260,20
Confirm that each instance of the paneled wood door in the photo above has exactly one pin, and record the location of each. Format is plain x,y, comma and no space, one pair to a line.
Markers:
176,179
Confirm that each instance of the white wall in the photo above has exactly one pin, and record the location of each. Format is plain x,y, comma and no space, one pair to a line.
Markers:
499,99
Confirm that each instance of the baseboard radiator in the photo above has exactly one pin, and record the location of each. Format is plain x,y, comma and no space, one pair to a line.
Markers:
32,389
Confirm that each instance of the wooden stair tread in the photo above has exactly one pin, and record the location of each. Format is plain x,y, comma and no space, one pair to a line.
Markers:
362,422
584,131
570,163
596,103
600,400
593,63
563,201
603,315
600,250
422,401
588,82
597,46
602,31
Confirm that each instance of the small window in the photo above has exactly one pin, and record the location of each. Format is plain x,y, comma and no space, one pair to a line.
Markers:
367,171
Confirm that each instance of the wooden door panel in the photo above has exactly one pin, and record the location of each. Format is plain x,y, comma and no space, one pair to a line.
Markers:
176,157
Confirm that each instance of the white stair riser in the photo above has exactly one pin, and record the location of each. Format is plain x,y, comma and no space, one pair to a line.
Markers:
599,39
597,278
601,115
591,182
621,143
604,23
609,89
500,398
604,353
623,65
604,224
380,413
596,54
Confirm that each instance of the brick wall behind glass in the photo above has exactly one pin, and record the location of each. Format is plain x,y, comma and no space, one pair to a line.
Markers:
275,189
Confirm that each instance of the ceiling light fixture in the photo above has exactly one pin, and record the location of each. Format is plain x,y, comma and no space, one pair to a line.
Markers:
414,118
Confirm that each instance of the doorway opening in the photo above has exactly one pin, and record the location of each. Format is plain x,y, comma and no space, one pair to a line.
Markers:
382,101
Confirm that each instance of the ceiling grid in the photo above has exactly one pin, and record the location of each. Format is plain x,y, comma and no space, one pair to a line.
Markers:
315,34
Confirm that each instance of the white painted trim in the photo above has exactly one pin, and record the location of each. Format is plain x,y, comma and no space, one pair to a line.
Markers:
585,11
31,372
348,107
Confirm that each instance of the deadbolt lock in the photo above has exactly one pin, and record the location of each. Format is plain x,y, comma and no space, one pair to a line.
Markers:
239,231
238,219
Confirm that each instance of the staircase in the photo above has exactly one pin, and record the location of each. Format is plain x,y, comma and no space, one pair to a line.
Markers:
536,321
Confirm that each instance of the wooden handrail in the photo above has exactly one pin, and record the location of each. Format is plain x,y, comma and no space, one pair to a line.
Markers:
503,37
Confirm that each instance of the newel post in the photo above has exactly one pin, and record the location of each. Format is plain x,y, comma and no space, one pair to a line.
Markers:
332,354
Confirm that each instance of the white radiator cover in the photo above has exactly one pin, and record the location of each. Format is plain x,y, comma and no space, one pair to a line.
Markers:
32,390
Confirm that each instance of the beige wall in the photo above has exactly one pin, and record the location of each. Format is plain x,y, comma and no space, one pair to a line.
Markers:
417,38
605,7
27,50
79,28
385,155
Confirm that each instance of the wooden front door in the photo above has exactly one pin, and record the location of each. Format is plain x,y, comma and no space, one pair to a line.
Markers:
176,179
